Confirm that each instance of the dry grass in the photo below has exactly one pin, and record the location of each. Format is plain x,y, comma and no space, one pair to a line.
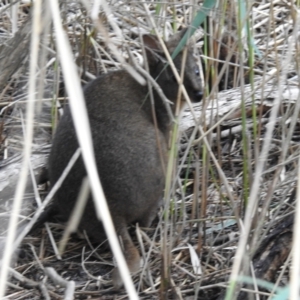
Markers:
238,177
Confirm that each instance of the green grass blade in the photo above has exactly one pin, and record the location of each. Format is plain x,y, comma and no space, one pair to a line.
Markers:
197,21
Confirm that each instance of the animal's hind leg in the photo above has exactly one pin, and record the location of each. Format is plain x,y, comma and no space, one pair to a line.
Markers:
131,254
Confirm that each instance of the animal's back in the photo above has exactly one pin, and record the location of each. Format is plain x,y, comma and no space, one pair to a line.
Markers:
126,152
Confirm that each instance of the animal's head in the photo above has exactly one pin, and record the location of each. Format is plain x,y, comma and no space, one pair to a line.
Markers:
164,75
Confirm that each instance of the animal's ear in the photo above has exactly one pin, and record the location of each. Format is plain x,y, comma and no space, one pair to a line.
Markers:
179,35
152,47
176,38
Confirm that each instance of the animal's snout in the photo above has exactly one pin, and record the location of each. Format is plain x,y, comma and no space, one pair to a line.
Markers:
198,95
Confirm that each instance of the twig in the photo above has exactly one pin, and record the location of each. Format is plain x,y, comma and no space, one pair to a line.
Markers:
57,279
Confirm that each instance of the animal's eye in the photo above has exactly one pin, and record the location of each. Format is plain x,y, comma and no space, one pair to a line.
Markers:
197,72
174,77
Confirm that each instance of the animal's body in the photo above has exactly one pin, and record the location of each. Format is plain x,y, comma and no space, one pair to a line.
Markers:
125,141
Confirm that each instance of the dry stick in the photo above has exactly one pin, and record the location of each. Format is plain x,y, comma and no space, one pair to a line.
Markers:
82,127
21,100
85,270
42,286
30,283
139,234
42,61
27,149
187,150
251,208
254,279
14,18
151,247
44,291
57,279
228,63
23,279
99,278
35,189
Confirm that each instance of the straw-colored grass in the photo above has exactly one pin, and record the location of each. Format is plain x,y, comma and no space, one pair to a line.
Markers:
227,230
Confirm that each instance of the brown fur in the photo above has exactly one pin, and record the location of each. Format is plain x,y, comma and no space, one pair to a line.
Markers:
126,150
